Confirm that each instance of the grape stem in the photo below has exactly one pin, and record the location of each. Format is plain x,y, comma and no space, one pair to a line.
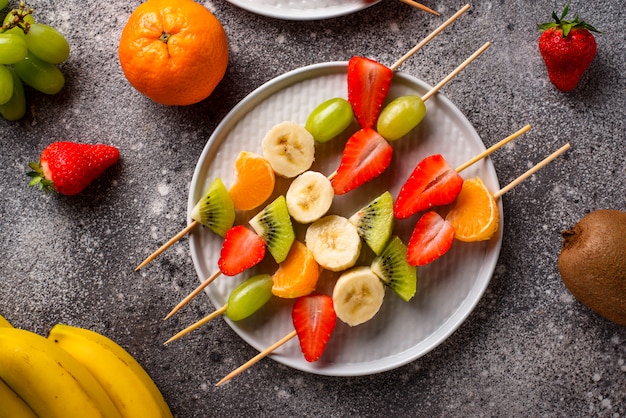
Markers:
18,18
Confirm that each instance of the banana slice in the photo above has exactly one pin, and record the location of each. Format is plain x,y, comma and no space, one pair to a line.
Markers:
334,242
309,197
289,148
358,295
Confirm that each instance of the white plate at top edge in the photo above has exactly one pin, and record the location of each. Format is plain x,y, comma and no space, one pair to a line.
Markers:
448,289
303,9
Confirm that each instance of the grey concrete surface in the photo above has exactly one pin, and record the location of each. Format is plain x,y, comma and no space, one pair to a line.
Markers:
528,349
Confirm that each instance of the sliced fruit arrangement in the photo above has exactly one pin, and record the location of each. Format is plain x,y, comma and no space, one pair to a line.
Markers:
74,372
474,217
29,54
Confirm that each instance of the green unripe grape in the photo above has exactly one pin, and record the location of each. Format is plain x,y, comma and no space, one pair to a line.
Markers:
6,84
249,297
12,48
329,119
40,75
47,43
15,108
3,4
400,116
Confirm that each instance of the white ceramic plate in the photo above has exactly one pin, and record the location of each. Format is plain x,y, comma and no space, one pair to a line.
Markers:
448,289
303,9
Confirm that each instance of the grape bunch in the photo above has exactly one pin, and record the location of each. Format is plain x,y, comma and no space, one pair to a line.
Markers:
29,54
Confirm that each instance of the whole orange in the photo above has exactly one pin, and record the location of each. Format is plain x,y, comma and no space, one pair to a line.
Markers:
173,51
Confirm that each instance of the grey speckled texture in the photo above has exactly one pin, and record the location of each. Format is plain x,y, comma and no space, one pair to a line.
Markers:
528,349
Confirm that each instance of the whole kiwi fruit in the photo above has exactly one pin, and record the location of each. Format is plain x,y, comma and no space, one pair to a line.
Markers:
592,263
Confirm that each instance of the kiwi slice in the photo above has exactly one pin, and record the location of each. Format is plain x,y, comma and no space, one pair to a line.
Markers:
273,224
394,270
215,209
375,222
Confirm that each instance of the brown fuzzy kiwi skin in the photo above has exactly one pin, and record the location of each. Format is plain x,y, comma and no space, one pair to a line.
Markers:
592,263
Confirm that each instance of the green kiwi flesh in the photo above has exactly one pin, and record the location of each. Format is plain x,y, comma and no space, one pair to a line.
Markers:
215,209
273,224
374,222
392,267
592,263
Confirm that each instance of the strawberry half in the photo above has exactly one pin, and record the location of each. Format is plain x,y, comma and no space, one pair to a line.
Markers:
368,85
69,167
432,237
314,319
433,182
242,249
366,155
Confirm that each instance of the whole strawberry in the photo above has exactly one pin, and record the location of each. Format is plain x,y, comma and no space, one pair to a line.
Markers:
567,48
69,167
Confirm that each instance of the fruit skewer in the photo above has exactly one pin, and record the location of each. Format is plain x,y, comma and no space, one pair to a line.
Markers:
292,334
416,48
474,217
433,182
367,154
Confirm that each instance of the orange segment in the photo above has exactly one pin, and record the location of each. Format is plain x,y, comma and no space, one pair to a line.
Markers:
475,213
297,275
254,181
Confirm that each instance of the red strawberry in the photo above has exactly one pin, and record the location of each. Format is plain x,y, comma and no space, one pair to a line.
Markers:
368,85
432,183
314,319
431,238
69,167
567,48
366,155
242,249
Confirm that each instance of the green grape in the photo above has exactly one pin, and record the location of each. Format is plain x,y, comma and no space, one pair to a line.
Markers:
12,48
400,116
15,108
47,43
6,84
3,4
329,119
40,75
249,297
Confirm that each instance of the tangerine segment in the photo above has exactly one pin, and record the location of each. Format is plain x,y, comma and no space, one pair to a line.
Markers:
297,275
254,181
475,213
173,51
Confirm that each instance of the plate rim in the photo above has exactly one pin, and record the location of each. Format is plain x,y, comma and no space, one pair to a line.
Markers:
301,14
434,339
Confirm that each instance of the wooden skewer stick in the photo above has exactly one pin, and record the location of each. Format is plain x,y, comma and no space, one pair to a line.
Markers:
532,171
256,358
168,244
492,148
198,324
420,6
458,69
193,294
429,37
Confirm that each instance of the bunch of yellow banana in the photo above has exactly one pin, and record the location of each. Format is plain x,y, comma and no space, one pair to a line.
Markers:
73,373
